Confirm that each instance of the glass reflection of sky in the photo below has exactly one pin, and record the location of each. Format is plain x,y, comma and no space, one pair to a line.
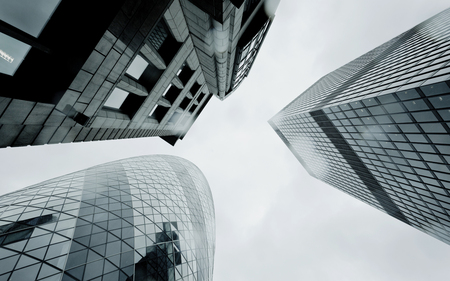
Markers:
116,98
137,67
16,50
30,16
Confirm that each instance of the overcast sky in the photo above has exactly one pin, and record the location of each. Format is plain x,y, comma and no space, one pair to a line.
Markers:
274,222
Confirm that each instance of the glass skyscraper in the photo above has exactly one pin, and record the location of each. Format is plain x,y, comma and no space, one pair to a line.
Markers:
378,128
125,68
142,218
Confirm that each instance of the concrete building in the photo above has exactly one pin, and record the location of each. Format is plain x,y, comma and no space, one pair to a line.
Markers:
378,128
142,218
101,70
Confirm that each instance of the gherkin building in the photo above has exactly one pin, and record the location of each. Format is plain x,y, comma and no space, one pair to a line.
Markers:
142,218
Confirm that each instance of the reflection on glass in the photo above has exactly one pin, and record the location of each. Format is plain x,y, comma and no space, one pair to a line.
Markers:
9,233
12,53
161,257
165,231
6,57
30,16
137,67
116,98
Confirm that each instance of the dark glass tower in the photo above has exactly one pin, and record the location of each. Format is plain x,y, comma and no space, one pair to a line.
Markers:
142,218
378,127
121,68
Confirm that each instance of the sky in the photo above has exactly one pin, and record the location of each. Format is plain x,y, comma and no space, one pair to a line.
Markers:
274,221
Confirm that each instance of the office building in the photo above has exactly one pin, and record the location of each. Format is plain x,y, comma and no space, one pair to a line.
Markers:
378,128
142,218
76,71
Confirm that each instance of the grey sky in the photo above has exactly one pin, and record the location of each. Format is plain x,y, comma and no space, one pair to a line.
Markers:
274,222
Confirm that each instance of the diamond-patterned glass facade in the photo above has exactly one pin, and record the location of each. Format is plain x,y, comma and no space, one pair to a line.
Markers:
378,128
142,218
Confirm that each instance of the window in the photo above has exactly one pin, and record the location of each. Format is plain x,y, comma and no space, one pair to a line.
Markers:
137,67
116,98
12,53
153,110
185,73
30,16
166,90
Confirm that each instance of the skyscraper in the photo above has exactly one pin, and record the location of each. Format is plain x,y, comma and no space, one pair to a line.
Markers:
378,128
120,68
142,218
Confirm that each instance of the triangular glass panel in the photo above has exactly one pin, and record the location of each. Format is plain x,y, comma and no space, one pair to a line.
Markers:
18,246
59,262
77,272
47,270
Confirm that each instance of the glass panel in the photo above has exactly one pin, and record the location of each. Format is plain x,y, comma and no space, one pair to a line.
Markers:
433,128
445,114
402,118
26,261
409,128
116,98
12,53
137,67
8,264
394,108
46,271
386,98
409,94
416,105
30,16
27,273
166,90
416,138
424,116
435,89
440,102
444,139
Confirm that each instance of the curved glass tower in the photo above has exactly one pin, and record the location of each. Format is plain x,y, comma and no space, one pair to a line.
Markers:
142,218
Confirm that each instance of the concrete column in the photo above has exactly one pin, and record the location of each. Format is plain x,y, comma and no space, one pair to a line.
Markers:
153,56
129,85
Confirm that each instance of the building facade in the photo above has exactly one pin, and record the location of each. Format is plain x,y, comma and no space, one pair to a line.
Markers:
142,218
378,128
120,68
